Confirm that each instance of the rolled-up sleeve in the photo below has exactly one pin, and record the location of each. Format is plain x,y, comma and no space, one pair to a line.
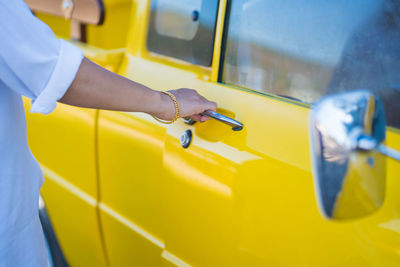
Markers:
63,74
33,62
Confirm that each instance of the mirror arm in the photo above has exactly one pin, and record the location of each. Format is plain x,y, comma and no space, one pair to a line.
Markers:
388,152
369,143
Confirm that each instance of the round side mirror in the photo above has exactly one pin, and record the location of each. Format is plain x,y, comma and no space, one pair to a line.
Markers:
347,131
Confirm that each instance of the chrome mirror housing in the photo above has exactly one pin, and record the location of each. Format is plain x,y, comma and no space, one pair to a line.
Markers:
347,131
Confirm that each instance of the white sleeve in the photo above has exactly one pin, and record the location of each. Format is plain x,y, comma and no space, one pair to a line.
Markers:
33,62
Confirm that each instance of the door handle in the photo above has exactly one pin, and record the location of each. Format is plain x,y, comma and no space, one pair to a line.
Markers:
236,126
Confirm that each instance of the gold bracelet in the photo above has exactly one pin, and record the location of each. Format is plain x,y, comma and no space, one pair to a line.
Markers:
177,111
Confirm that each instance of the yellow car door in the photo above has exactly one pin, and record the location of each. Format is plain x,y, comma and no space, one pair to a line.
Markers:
229,196
239,198
245,198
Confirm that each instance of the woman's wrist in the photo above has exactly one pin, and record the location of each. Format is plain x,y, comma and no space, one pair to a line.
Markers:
163,106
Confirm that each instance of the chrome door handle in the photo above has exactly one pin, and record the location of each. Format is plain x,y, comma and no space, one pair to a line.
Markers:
236,126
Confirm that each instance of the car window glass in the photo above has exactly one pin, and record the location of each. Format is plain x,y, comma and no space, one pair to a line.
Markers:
183,29
304,49
176,20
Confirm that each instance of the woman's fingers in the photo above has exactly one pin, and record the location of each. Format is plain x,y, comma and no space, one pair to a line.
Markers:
199,117
192,104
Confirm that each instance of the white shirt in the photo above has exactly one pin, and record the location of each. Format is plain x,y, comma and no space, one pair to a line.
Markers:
33,63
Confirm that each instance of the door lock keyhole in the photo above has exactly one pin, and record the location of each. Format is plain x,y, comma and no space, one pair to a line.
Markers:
186,138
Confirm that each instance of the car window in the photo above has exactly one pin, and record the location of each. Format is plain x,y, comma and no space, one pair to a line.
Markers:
176,20
304,49
183,29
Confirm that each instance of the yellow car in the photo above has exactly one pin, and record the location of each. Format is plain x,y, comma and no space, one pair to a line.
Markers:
125,190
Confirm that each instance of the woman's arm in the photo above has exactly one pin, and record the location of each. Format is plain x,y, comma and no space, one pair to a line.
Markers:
96,87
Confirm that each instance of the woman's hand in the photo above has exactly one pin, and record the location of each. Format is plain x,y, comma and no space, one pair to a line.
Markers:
191,104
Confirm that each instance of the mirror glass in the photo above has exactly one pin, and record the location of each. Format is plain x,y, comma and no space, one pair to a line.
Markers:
349,181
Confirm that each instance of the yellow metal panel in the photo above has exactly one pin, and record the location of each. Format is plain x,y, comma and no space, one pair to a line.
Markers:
109,59
64,144
74,218
113,32
64,141
60,26
127,243
130,154
218,40
136,39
